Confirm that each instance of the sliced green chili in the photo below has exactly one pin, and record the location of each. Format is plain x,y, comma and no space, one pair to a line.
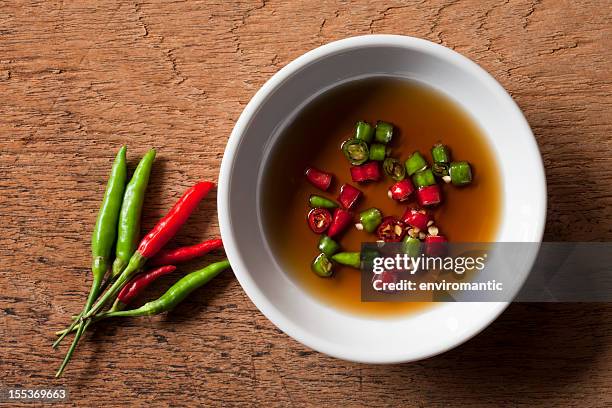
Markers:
348,258
440,169
322,266
328,246
368,254
316,201
460,173
378,151
356,151
364,131
131,209
370,219
411,246
415,163
423,178
440,154
394,169
384,132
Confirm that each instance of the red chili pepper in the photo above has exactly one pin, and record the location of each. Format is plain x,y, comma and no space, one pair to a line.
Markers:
318,178
184,254
435,245
430,195
348,196
401,190
385,277
416,218
342,219
319,219
391,230
366,172
140,282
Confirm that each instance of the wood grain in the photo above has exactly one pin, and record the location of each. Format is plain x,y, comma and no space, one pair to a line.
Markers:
77,79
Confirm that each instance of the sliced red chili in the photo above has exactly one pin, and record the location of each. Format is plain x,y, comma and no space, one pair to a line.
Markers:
318,178
348,196
401,190
430,195
391,230
319,219
435,245
385,278
366,172
342,219
416,218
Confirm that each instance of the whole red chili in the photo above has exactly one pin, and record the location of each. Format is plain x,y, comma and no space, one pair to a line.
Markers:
366,172
318,178
139,283
342,219
401,190
416,218
348,196
319,219
168,226
430,195
391,230
184,254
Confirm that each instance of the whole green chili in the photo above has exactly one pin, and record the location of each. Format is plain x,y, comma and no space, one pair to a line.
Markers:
131,209
105,230
348,258
316,201
173,296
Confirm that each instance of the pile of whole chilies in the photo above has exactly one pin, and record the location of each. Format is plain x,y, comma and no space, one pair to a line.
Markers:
116,282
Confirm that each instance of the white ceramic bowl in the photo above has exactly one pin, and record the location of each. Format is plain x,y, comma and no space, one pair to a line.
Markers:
333,332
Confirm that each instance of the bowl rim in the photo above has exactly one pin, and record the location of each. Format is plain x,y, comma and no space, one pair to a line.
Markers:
239,266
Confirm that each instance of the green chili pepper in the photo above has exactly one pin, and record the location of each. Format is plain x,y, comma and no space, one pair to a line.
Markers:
316,201
348,258
131,209
364,131
460,173
411,246
105,230
173,296
370,219
378,151
384,132
177,292
356,151
368,254
322,266
440,154
328,246
415,163
440,169
423,178
394,169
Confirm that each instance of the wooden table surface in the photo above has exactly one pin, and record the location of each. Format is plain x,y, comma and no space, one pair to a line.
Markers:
77,79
